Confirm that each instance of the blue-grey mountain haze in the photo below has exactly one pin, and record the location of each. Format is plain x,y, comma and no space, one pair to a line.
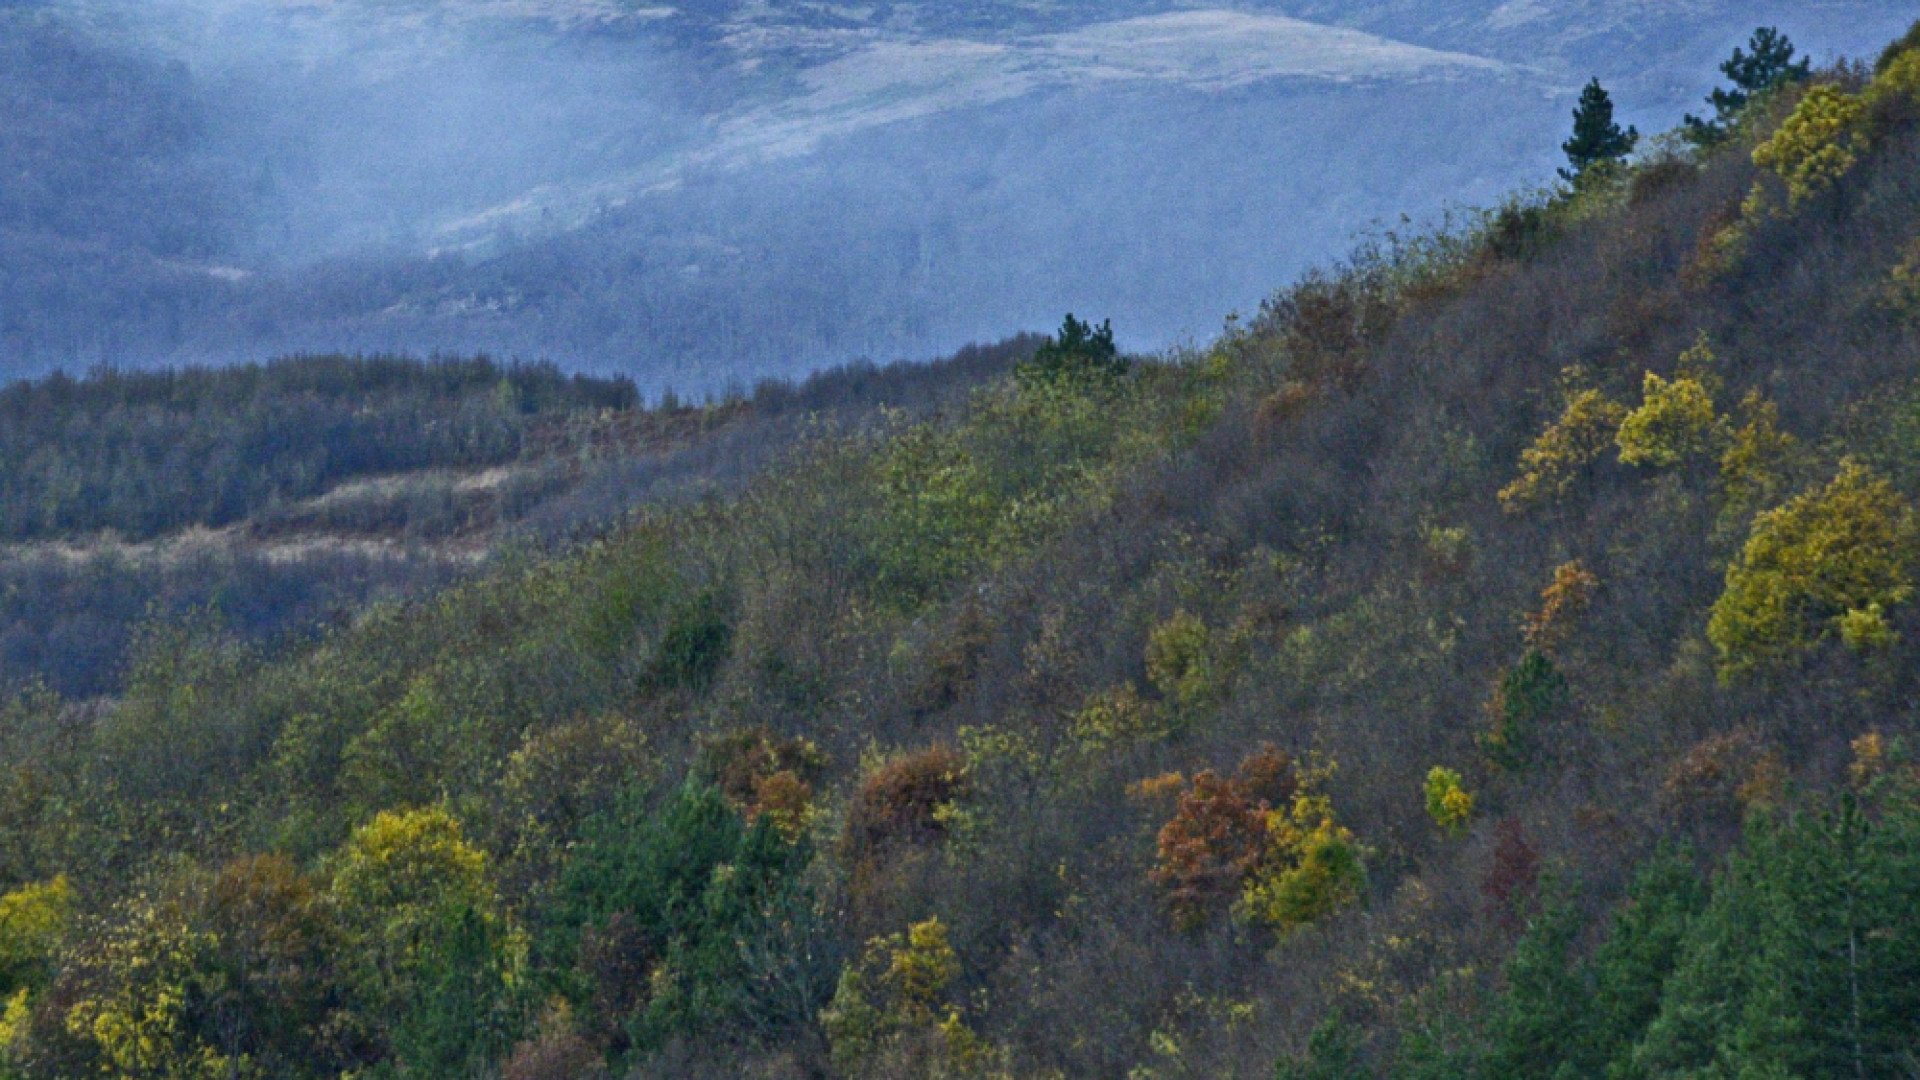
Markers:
718,190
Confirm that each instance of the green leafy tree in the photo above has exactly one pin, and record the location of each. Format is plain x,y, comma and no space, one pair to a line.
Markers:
1771,63
1332,1053
694,643
462,1018
689,897
1597,140
1525,700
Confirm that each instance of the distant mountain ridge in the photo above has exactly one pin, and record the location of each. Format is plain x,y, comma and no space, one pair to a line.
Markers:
701,192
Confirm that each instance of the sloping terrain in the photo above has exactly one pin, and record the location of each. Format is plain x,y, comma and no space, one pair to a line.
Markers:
1495,659
276,500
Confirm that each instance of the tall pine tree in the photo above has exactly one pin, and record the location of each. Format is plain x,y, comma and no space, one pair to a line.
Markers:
1540,1027
1771,63
1632,968
1597,139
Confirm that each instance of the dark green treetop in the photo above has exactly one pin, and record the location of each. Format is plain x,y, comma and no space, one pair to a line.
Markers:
1596,137
1771,63
1080,351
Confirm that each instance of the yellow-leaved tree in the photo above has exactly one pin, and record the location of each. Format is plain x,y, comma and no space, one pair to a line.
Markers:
427,953
1830,130
34,921
1817,145
1674,423
141,988
1564,451
1753,467
890,1014
1829,562
1449,803
1311,866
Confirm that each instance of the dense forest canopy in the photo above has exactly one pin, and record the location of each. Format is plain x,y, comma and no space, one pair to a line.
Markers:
278,499
1494,658
147,453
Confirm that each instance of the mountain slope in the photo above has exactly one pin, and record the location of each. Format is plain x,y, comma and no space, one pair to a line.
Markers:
1495,659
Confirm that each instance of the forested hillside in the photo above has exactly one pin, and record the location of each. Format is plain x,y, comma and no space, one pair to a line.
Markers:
275,500
1494,658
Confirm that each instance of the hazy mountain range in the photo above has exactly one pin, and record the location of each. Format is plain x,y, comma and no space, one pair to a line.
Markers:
702,192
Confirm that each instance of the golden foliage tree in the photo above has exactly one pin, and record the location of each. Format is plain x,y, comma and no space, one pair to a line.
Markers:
1816,146
1674,423
34,922
1753,465
400,883
1565,451
890,1011
142,987
1449,803
1309,869
1562,602
1846,548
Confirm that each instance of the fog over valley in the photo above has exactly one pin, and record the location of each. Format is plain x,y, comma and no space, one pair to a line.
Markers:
711,192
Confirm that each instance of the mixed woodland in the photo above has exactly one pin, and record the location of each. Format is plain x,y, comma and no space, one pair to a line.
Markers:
1493,658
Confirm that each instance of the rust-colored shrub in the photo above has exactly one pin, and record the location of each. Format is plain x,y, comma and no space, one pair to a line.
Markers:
761,772
1162,788
1659,177
899,802
1212,842
784,800
1325,325
557,1052
1270,774
1562,602
1723,774
1217,835
1278,410
953,661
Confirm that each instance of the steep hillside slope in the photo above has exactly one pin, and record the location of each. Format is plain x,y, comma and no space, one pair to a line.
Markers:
1495,659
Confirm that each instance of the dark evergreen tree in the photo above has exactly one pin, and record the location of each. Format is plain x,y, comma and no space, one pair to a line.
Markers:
1632,968
1333,1053
1081,352
461,1019
1807,960
1542,1024
1770,63
1597,139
